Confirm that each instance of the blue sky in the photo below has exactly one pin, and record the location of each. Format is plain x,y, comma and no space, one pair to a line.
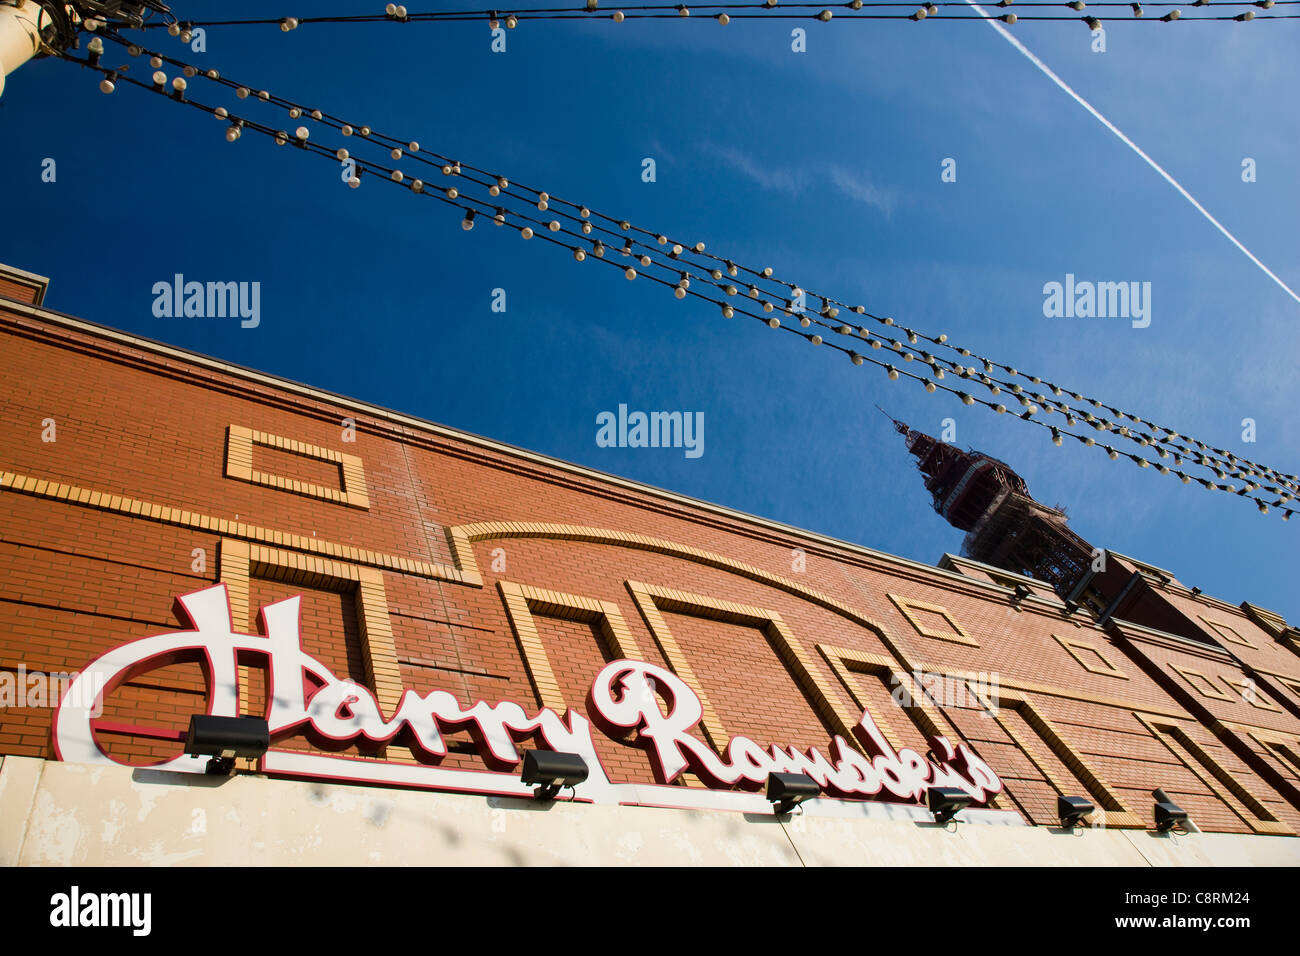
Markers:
825,165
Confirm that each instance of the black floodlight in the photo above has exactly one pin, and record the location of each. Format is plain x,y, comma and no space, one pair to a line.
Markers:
1020,593
1073,810
225,738
549,770
946,802
787,790
1170,816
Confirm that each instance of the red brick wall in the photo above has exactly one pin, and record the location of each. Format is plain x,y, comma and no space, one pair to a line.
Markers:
76,580
17,291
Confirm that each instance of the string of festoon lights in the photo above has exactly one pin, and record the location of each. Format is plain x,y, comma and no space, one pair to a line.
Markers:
1241,11
1167,446
689,270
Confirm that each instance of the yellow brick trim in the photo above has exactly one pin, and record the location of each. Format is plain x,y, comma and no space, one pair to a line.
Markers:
928,719
1290,683
1225,631
1270,621
1264,735
823,695
644,596
234,574
522,601
1208,688
820,691
1243,728
464,568
1048,690
909,607
242,561
239,466
461,539
1211,773
1255,698
378,646
536,659
1106,668
1271,740
1290,679
239,453
1115,813
101,501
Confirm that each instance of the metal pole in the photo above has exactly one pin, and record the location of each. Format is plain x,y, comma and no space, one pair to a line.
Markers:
21,22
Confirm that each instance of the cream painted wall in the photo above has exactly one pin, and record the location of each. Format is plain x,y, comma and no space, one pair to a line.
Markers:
54,813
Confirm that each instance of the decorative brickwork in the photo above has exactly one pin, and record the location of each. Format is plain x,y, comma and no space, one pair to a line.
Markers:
1090,658
239,465
446,562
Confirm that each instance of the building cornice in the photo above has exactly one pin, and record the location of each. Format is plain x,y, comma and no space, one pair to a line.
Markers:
30,280
1149,635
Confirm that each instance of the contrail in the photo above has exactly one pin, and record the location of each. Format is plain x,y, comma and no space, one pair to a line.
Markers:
1126,141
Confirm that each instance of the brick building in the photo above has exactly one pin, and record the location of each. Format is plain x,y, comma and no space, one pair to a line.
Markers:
438,574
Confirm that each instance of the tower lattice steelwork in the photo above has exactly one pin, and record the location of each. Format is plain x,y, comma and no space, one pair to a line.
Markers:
1005,526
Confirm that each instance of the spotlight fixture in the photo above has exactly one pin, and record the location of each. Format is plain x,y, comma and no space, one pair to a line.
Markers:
549,770
1072,811
1170,816
787,790
225,738
946,802
1020,593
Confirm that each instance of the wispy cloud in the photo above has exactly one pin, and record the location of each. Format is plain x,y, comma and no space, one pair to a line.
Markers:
772,178
1047,71
795,180
858,186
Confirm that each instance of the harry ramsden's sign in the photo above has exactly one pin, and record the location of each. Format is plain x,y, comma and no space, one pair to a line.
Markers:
626,695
